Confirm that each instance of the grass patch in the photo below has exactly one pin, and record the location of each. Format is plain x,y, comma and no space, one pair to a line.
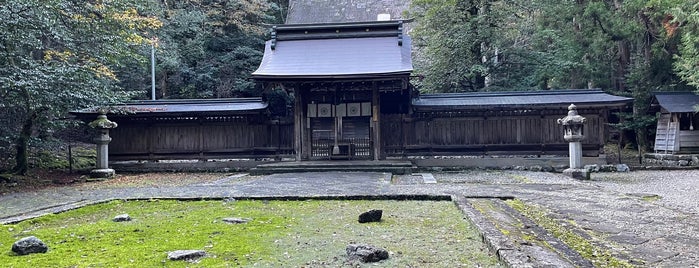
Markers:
281,234
598,256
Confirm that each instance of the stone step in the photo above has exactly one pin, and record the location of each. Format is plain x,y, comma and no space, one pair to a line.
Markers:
517,240
395,167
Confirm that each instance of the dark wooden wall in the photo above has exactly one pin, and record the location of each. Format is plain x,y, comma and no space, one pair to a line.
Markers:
419,134
454,134
200,138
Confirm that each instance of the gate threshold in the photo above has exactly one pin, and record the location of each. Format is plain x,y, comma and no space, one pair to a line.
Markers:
393,166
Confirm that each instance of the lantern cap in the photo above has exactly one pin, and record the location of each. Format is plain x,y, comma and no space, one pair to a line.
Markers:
573,118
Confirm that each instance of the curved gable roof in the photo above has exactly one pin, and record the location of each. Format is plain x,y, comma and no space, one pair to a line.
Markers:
342,50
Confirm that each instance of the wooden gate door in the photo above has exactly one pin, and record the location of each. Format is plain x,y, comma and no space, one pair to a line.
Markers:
341,134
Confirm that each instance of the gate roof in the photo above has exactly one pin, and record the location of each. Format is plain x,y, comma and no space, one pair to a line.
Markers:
336,51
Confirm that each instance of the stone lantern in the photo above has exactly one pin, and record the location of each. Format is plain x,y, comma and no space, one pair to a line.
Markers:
573,125
102,125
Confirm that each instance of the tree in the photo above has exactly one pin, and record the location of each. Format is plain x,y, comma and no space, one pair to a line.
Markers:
626,47
451,36
60,55
687,64
208,49
487,45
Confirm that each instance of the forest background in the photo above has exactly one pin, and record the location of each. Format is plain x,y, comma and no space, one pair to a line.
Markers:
62,55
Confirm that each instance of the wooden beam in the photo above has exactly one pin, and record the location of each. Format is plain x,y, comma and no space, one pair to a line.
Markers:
376,121
298,124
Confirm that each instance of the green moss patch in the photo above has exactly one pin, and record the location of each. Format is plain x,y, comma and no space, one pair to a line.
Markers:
281,234
598,256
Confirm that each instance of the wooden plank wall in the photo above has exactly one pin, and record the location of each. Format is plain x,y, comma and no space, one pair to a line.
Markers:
404,135
401,135
198,139
689,141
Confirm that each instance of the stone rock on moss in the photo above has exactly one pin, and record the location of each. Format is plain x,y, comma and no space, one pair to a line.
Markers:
366,253
373,215
29,245
235,220
121,218
188,255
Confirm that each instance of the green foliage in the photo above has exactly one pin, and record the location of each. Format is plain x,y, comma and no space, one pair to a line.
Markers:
629,47
60,55
83,158
687,64
280,234
450,35
208,49
279,102
553,44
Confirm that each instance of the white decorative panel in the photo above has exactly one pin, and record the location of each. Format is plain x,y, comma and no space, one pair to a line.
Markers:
341,110
354,109
325,110
312,110
366,108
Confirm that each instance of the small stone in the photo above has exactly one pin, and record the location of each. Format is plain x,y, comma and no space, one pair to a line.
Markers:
121,218
366,253
189,254
622,168
373,215
607,168
592,168
29,245
235,220
536,168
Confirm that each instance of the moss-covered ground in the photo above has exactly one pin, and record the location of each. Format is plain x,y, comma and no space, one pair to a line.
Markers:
281,234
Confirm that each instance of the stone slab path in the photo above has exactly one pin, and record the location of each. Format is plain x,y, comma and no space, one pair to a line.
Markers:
646,227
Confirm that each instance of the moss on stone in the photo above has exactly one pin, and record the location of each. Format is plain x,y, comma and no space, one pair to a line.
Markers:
598,256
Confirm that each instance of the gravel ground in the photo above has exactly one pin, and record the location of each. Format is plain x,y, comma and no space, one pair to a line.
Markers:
675,189
672,189
497,177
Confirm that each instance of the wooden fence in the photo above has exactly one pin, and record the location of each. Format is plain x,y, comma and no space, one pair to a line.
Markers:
200,138
404,135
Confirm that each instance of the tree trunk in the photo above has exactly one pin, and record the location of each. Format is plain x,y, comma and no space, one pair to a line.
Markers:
22,146
641,102
623,66
163,86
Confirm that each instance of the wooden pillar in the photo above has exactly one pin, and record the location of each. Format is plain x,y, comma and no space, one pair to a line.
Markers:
601,124
376,121
298,124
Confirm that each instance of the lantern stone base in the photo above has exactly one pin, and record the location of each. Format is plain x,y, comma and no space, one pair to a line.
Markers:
577,173
103,173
